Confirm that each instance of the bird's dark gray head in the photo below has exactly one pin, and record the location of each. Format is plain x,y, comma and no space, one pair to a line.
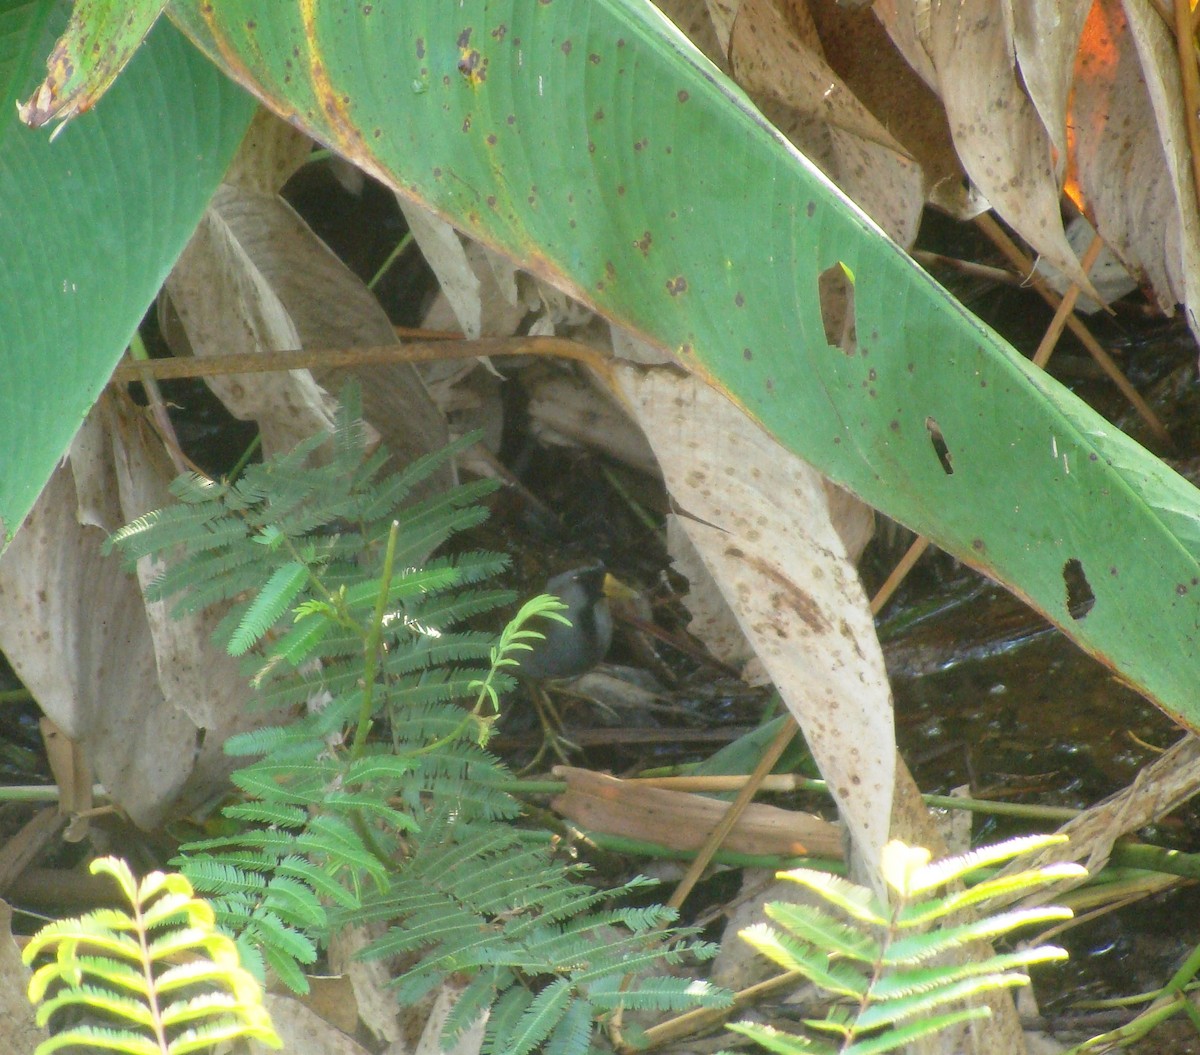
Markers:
569,651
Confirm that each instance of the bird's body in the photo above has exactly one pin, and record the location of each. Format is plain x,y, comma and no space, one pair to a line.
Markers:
568,651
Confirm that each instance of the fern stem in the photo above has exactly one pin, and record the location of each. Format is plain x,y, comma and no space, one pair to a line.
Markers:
371,647
156,1023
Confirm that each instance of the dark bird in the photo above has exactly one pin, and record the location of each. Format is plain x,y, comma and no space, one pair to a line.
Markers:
568,651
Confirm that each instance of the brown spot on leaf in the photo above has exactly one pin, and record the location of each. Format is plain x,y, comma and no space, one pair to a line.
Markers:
473,66
677,286
644,243
464,38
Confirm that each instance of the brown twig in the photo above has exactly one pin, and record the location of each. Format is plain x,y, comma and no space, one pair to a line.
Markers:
1021,261
899,573
1066,307
737,807
412,352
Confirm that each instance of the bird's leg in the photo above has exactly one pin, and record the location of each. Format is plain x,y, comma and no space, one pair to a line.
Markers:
552,728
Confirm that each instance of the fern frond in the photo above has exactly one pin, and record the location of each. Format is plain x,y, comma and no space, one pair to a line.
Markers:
132,982
267,608
914,949
878,961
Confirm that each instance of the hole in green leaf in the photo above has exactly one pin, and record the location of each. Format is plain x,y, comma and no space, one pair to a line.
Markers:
939,446
1080,599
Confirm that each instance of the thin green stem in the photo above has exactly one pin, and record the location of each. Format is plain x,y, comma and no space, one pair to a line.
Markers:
393,256
371,646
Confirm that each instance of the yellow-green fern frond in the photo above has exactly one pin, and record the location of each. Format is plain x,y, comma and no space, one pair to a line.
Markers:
154,979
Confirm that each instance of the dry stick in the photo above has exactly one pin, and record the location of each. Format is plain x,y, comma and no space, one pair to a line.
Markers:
1023,264
1066,307
693,1022
1189,75
730,817
412,352
899,572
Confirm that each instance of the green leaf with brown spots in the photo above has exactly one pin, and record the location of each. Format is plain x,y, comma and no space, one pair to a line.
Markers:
90,224
588,140
100,38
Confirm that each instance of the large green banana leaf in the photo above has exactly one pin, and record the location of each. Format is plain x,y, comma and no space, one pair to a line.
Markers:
90,225
590,141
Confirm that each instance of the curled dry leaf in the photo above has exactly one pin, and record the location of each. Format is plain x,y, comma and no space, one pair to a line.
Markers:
141,694
330,307
759,518
683,820
1131,159
999,137
564,409
480,285
225,305
781,64
1045,36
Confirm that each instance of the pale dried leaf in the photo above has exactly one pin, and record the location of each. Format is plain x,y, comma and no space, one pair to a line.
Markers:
632,348
19,1032
73,626
1132,159
468,1042
858,48
738,964
722,14
682,820
330,307
694,21
197,680
481,290
375,1002
759,518
712,620
227,306
1045,36
303,1032
997,132
136,690
908,24
271,153
781,60
565,410
72,774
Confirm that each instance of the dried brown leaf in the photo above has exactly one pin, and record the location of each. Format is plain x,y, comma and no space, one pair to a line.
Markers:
999,137
759,518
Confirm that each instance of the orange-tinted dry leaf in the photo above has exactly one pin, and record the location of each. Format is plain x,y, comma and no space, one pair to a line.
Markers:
997,132
1130,162
682,821
1045,40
